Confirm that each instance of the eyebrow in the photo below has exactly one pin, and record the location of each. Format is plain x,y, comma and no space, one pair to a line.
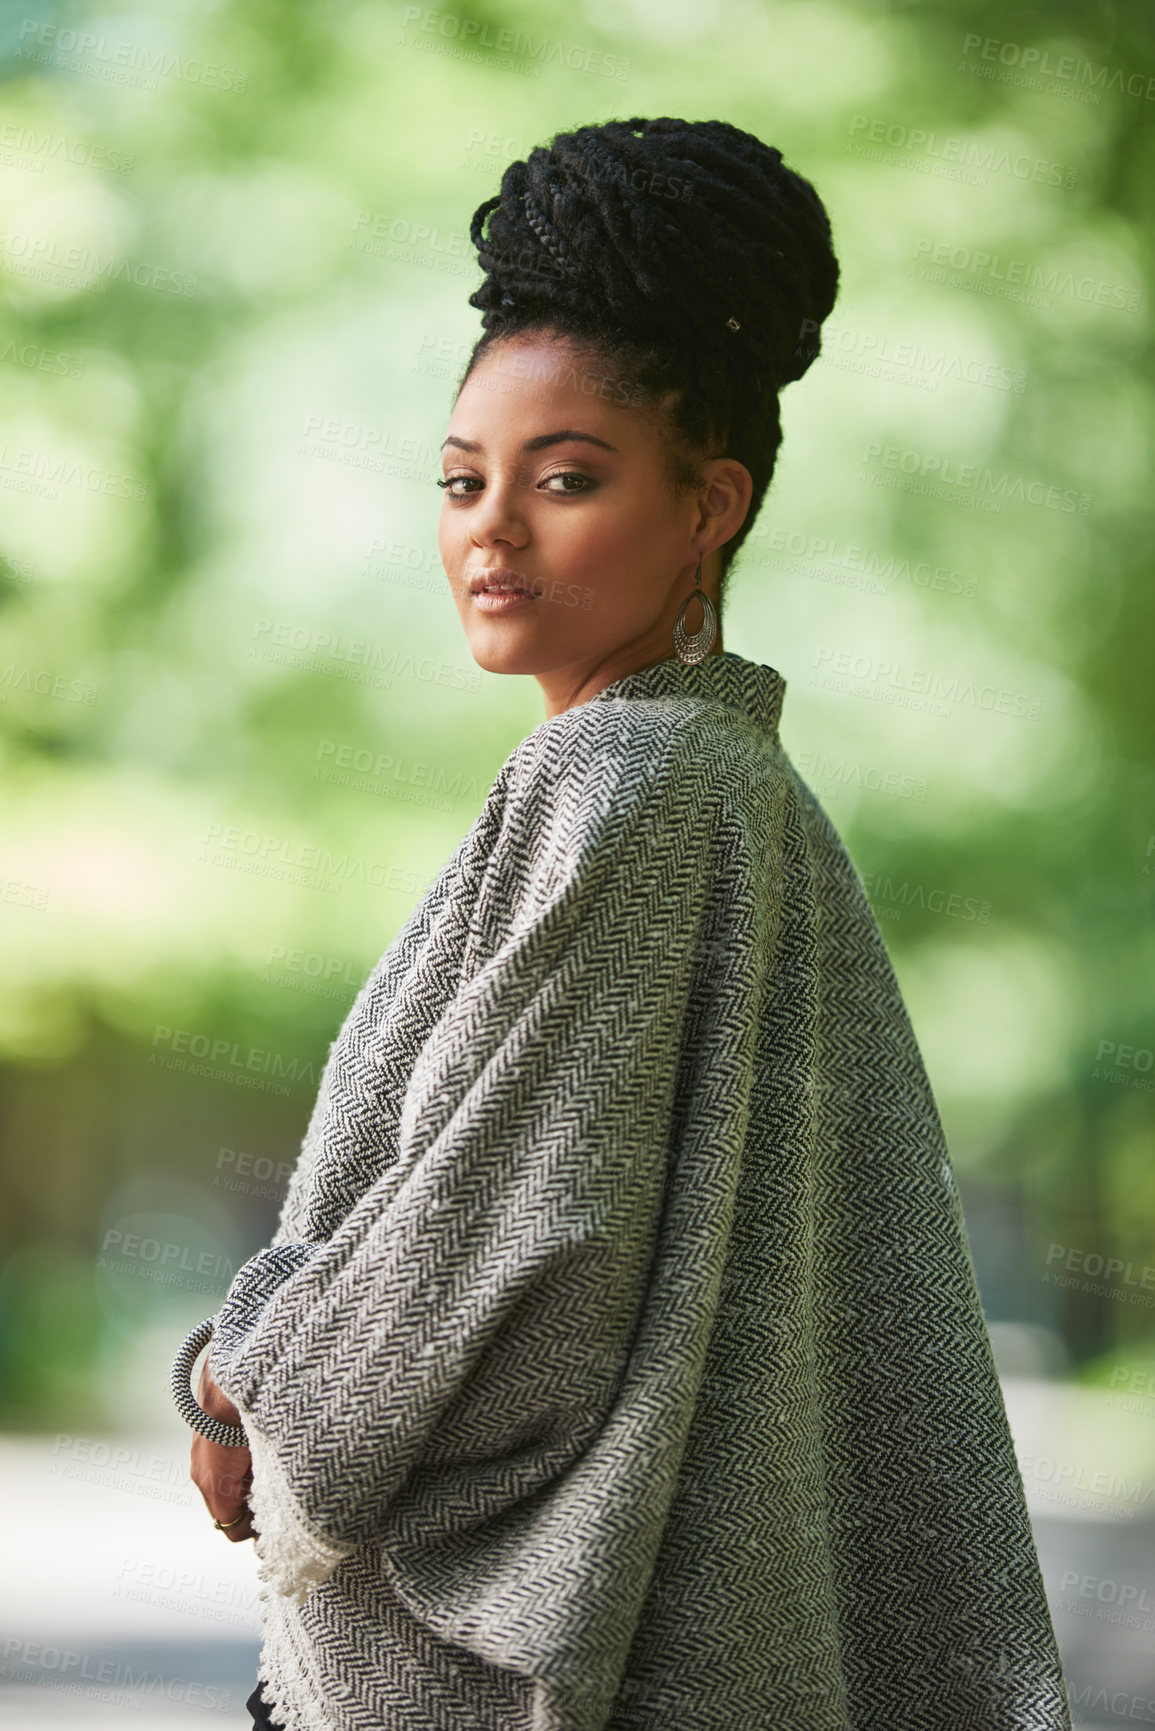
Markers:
541,443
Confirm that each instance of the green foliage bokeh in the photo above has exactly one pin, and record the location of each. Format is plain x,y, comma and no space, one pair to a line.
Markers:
235,264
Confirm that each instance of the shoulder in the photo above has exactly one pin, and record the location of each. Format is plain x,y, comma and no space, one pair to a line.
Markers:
617,796
653,732
642,758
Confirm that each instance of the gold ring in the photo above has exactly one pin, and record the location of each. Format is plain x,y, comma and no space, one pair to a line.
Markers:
221,1525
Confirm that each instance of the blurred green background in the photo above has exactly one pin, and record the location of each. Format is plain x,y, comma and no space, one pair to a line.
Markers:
241,729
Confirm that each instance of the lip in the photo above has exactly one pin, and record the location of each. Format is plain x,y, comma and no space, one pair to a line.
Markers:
502,600
500,575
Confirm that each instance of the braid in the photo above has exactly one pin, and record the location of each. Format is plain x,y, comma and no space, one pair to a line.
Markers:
544,231
684,251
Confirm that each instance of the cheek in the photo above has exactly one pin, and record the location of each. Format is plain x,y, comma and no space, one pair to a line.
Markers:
615,520
450,541
620,549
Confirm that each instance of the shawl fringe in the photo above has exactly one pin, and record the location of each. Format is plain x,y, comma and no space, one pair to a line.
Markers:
293,1557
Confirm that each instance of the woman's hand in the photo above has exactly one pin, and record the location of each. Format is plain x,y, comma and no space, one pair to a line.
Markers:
222,1475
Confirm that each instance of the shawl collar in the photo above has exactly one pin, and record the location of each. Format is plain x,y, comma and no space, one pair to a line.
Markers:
749,686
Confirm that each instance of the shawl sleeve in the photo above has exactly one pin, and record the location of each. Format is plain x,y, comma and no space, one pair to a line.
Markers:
455,1346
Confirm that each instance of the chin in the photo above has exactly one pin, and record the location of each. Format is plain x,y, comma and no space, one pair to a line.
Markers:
510,656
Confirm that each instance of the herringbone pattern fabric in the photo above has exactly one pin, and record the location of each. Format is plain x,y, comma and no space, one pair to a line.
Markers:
618,1363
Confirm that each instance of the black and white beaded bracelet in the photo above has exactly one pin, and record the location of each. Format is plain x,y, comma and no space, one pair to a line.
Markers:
230,1436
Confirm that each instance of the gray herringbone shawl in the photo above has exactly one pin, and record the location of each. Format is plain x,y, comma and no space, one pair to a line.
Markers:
618,1363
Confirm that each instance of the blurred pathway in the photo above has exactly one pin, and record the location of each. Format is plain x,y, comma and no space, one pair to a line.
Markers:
128,1607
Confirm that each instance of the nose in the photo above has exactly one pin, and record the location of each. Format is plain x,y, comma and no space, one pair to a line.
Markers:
498,515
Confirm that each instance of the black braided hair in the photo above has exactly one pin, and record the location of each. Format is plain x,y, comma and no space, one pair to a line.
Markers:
682,253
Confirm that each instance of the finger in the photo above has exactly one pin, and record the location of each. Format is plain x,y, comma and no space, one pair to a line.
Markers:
244,1529
226,1501
213,1398
220,1472
209,1391
223,1477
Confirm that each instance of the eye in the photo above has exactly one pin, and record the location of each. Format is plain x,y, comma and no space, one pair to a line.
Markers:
569,475
585,484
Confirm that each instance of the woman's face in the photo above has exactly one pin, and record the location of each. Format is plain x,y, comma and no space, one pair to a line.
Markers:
557,479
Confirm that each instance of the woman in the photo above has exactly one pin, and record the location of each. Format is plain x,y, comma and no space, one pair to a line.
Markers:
618,1360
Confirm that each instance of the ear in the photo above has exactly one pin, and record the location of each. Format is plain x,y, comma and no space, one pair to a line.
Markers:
723,502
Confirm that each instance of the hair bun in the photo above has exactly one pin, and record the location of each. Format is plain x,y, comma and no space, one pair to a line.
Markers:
678,230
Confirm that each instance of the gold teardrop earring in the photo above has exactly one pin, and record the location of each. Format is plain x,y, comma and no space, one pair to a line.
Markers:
694,648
